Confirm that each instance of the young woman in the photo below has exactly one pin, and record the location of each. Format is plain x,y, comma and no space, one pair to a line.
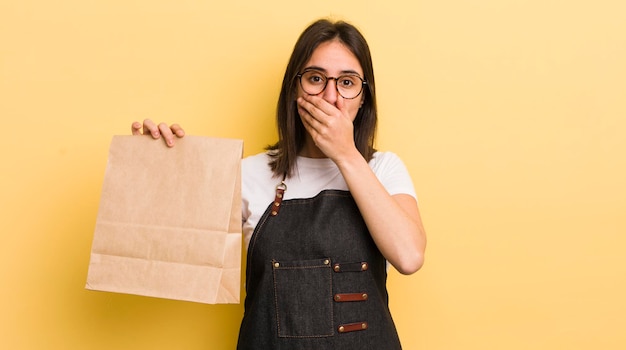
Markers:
323,211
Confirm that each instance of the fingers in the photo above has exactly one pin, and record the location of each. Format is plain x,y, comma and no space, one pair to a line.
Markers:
310,122
317,107
169,133
135,128
311,111
149,128
177,130
308,108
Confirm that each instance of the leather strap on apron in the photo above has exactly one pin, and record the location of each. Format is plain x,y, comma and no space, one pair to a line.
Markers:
315,279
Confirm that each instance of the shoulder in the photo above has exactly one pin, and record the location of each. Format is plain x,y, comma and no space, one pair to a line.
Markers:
384,155
256,160
392,173
255,171
385,160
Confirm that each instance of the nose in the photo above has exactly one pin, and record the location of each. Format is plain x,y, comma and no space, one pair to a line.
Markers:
330,92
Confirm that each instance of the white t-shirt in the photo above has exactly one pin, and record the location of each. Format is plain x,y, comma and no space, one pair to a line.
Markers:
312,175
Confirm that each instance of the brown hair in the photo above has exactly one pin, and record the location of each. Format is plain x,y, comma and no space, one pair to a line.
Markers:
291,132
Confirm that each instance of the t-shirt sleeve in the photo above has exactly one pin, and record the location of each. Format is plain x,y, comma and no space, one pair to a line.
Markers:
393,174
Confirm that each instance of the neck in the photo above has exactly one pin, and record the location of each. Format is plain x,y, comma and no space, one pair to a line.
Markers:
310,150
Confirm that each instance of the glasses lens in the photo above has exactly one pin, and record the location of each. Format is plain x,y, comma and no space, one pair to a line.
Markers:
313,82
349,86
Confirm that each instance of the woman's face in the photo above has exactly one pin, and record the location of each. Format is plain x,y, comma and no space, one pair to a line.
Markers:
334,59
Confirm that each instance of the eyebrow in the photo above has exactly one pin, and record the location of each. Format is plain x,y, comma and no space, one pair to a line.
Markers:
343,72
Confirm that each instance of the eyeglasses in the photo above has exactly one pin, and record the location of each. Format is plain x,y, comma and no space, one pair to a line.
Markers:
314,82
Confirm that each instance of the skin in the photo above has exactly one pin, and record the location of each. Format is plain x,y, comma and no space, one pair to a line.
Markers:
393,221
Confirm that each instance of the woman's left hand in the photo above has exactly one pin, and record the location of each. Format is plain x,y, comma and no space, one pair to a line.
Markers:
331,127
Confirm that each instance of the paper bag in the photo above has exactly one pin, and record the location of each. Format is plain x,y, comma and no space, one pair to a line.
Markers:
169,221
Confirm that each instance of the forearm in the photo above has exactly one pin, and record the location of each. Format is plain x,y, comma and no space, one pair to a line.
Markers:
393,221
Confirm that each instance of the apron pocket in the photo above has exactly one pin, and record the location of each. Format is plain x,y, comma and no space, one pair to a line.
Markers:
303,298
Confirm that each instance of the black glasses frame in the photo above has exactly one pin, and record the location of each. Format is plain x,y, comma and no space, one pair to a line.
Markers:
336,79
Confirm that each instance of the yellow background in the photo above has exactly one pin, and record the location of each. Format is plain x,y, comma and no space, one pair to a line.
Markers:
510,115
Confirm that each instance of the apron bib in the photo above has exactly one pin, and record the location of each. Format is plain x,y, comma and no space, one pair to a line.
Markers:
316,280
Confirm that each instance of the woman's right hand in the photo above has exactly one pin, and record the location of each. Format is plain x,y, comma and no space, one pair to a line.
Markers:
169,133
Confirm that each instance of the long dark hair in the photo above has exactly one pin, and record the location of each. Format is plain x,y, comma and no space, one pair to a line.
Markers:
291,132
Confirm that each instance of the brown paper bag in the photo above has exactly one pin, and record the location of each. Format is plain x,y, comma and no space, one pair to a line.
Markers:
169,221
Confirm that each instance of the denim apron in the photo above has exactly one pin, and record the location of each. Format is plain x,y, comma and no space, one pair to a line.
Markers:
315,279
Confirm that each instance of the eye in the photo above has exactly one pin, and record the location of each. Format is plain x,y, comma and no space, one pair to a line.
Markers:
348,81
314,77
